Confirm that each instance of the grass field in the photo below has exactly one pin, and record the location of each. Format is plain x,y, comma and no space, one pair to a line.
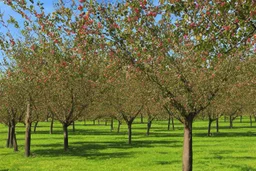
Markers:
94,147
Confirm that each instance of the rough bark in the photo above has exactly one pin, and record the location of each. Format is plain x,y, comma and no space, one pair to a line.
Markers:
209,126
129,132
51,126
28,131
187,146
112,124
35,126
27,139
65,133
118,127
217,124
13,137
169,122
15,145
148,127
173,124
9,136
230,122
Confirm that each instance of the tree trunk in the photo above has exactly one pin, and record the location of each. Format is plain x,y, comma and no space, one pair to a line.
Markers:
129,133
51,126
98,121
15,145
13,136
93,122
230,122
27,139
106,122
65,133
169,122
73,124
250,120
209,127
217,124
141,118
9,135
118,127
187,146
84,121
35,126
241,118
112,124
28,131
172,123
149,126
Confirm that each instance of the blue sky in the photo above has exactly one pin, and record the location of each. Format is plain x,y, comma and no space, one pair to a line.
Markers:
48,6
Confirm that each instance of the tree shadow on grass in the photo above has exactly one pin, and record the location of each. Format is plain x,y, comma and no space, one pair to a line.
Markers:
227,134
168,162
244,167
94,150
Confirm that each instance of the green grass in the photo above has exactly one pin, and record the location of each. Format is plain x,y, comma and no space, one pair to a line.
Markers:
94,147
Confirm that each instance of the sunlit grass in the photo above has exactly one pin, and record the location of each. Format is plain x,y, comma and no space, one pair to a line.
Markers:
94,147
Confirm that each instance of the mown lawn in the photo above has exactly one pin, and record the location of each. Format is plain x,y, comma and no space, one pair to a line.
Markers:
94,147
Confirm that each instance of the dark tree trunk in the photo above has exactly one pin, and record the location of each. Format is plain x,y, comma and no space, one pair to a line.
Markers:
35,126
148,127
187,146
51,126
141,118
27,139
65,133
230,122
217,124
255,118
15,145
93,122
251,121
9,135
73,124
169,122
209,126
172,123
118,127
28,131
112,124
13,136
98,121
241,119
129,133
